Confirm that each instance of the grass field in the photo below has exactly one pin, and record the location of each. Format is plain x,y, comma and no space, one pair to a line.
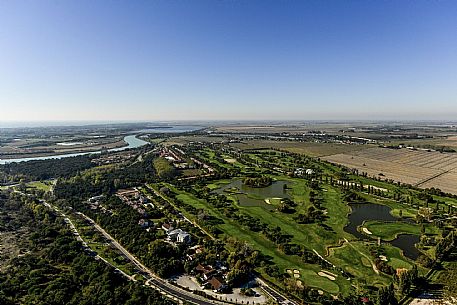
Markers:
313,236
308,272
44,186
389,230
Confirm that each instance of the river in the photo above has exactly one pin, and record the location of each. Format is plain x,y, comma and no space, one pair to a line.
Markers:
132,141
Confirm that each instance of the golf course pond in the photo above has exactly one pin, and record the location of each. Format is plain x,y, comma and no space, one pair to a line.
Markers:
370,211
254,196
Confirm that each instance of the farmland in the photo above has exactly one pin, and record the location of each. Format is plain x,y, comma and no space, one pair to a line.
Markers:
421,168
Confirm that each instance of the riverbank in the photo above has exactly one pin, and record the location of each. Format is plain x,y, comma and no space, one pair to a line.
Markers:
67,150
131,141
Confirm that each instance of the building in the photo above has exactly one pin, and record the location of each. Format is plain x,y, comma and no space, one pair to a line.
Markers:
217,284
179,236
206,271
301,171
145,223
167,227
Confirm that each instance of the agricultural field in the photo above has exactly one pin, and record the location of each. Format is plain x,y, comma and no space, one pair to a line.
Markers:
416,167
314,149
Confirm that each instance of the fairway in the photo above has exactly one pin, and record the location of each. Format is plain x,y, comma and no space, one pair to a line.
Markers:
313,236
389,230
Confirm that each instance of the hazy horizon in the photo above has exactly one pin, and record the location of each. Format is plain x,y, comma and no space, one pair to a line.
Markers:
157,123
227,60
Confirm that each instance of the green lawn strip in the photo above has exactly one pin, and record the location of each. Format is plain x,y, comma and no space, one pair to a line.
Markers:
210,156
218,184
308,273
103,250
395,258
389,230
337,211
314,236
406,213
349,258
40,185
259,242
376,183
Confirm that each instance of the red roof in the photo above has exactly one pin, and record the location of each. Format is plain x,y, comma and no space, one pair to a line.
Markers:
216,282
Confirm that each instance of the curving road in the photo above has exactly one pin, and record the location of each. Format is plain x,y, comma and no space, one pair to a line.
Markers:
153,280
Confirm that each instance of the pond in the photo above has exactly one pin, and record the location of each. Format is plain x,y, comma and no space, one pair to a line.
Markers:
369,211
254,196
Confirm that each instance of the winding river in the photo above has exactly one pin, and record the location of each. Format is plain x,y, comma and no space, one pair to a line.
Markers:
131,140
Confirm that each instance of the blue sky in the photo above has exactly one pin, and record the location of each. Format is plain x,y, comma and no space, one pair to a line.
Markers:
184,60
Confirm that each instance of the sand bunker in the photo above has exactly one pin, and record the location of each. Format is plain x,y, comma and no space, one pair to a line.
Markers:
366,231
383,258
328,275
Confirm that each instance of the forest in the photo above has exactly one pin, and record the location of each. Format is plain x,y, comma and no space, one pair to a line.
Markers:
56,270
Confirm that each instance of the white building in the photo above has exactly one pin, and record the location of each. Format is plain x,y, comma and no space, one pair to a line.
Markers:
179,236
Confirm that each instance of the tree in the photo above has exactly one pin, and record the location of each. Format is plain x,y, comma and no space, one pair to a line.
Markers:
386,296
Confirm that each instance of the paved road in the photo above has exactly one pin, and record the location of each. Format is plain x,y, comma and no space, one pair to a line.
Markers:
154,280
79,238
275,295
181,294
185,218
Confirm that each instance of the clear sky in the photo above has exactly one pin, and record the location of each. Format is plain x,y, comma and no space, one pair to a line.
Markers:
182,60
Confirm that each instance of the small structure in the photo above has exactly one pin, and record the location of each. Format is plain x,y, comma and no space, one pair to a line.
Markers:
167,227
309,171
145,223
217,284
179,236
399,271
206,271
301,171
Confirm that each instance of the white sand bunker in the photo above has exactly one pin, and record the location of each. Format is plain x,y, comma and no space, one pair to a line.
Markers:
268,200
366,231
383,258
328,275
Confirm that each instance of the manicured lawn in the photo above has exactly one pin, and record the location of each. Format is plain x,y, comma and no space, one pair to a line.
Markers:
354,259
350,258
230,228
40,185
390,230
406,213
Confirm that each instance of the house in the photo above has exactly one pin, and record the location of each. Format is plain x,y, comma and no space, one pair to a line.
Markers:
179,236
145,223
301,171
217,284
206,271
167,227
399,271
